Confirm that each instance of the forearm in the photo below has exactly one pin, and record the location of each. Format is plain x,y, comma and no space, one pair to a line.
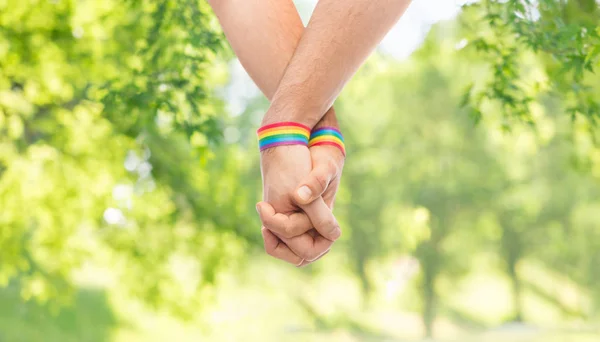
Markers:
264,35
338,39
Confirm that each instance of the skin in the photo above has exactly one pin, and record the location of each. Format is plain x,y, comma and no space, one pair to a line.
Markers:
339,37
302,71
264,35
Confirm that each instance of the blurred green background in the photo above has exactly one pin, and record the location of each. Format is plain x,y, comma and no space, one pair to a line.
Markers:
470,200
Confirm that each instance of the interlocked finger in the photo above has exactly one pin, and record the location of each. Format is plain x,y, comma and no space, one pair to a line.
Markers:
278,249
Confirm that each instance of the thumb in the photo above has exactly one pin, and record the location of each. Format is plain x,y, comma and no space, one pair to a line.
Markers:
315,183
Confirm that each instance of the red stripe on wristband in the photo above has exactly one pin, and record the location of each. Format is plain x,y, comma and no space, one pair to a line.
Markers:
282,133
327,136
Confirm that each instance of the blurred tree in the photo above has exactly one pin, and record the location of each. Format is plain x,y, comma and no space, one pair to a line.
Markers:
106,127
422,177
109,154
416,176
565,34
541,54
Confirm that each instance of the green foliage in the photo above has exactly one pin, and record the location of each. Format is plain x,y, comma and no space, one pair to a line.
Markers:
565,35
424,179
112,166
106,126
89,318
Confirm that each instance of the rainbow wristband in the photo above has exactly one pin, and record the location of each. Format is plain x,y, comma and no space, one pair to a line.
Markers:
327,136
282,133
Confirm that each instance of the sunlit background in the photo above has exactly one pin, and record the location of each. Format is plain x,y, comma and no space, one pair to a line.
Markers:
469,203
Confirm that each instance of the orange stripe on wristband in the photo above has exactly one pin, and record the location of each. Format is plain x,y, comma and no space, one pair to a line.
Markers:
282,133
327,136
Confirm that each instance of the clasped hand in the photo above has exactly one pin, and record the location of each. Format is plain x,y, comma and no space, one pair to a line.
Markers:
299,187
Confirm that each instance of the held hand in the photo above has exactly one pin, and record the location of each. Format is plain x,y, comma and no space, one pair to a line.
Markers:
322,182
288,234
324,179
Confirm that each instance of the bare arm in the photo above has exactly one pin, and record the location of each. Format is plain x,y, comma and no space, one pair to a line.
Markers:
337,40
264,35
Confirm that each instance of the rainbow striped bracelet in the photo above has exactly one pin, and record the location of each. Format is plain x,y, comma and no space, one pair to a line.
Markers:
282,133
327,136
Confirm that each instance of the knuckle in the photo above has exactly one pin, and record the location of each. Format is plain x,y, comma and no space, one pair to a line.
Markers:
327,222
266,221
281,228
269,226
321,180
289,230
333,167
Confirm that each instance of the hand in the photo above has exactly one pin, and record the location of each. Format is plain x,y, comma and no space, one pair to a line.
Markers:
286,224
324,179
282,226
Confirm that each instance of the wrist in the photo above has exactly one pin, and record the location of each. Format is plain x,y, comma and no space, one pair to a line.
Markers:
273,116
327,136
282,134
291,111
328,120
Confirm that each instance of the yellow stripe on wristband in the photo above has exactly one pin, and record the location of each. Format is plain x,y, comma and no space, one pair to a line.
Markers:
327,136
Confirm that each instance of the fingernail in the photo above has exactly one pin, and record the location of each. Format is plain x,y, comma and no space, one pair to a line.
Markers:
304,193
258,209
336,233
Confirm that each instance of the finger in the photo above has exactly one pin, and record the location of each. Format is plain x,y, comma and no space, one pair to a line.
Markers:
322,219
329,196
308,246
306,262
283,225
277,249
315,183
